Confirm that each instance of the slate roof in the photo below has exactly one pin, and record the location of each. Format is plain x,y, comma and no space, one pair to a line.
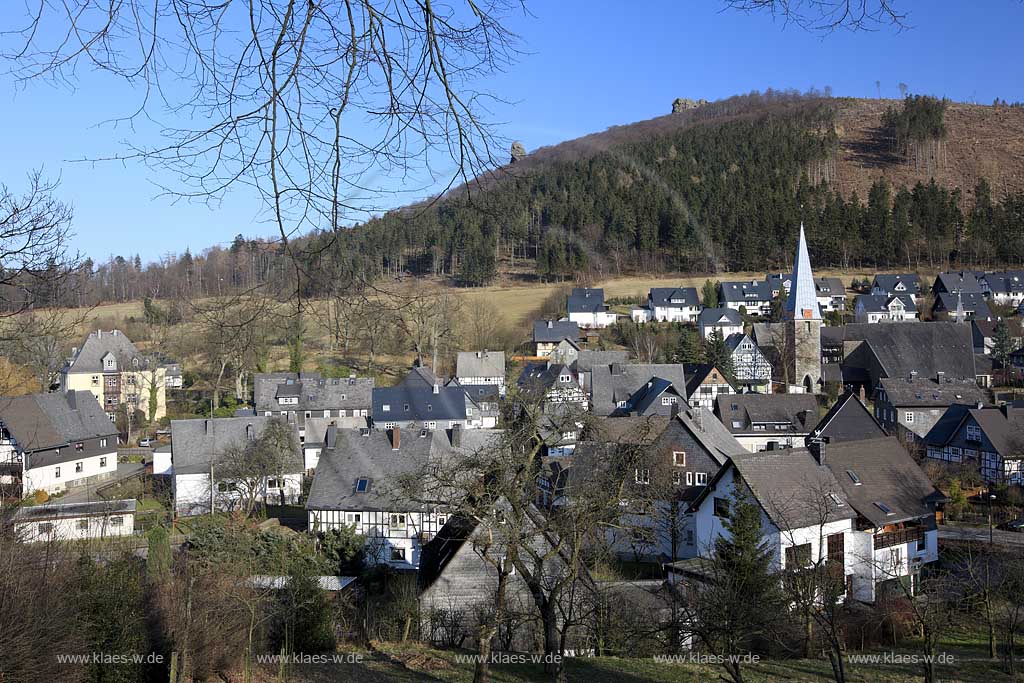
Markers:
98,344
313,392
802,302
887,474
754,291
480,364
972,302
792,488
632,429
554,331
1004,427
412,402
584,300
829,286
848,420
674,297
965,281
696,373
887,283
928,393
879,303
719,316
702,424
370,455
588,359
317,428
610,384
44,421
38,513
784,413
943,431
420,377
925,348
195,444
1007,282
777,282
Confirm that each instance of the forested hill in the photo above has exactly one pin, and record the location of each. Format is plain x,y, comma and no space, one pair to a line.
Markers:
722,187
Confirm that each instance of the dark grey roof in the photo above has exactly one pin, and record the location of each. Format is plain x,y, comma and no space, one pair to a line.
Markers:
848,420
1007,282
195,444
926,348
768,335
945,429
554,331
928,393
749,290
98,344
102,508
887,282
480,364
43,421
584,300
696,373
792,488
702,424
879,303
777,282
717,316
964,281
674,297
314,392
420,377
542,377
829,286
370,455
887,475
631,382
414,402
1004,427
779,413
588,359
972,302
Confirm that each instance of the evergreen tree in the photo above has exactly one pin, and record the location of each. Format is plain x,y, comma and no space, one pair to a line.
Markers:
717,353
709,294
305,623
1002,344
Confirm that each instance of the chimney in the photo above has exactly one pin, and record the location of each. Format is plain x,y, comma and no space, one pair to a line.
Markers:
396,438
940,377
674,411
99,334
72,400
457,436
816,445
551,324
913,375
208,426
249,433
437,388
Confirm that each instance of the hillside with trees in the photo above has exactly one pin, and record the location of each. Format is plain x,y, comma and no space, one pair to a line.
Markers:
918,183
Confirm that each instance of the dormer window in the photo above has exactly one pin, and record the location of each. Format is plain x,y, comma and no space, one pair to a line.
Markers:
565,378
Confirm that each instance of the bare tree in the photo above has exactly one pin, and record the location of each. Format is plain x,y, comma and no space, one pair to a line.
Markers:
823,16
248,465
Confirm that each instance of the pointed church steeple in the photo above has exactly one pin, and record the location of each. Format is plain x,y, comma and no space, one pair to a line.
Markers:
802,303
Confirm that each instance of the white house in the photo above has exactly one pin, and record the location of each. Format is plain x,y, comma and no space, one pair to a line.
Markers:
863,505
897,284
481,368
669,304
878,308
587,309
726,320
754,296
357,485
52,442
197,450
75,521
1006,288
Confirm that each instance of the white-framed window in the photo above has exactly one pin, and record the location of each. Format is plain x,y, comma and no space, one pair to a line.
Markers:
274,484
679,458
689,478
117,521
701,479
56,473
622,404
565,378
431,425
397,521
386,408
82,525
352,517
79,467
642,476
103,443
103,461
677,478
973,433
390,425
908,417
397,554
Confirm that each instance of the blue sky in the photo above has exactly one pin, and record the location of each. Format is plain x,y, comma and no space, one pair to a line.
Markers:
588,65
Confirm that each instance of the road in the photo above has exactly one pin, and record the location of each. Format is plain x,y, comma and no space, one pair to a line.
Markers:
979,535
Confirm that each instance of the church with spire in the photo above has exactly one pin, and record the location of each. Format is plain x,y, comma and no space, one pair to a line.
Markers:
802,321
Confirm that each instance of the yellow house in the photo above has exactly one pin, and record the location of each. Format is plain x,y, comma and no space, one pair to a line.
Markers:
109,366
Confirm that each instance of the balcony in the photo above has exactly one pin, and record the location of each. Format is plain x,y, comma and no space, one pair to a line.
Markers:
900,537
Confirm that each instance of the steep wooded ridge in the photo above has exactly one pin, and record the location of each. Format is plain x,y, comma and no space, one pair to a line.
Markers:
722,187
718,187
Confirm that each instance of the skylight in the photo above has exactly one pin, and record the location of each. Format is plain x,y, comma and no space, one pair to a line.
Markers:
362,484
883,507
836,499
853,477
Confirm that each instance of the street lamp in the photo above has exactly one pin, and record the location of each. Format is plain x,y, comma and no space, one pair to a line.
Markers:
991,497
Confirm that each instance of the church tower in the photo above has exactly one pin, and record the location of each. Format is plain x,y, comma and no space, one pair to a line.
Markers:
802,319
